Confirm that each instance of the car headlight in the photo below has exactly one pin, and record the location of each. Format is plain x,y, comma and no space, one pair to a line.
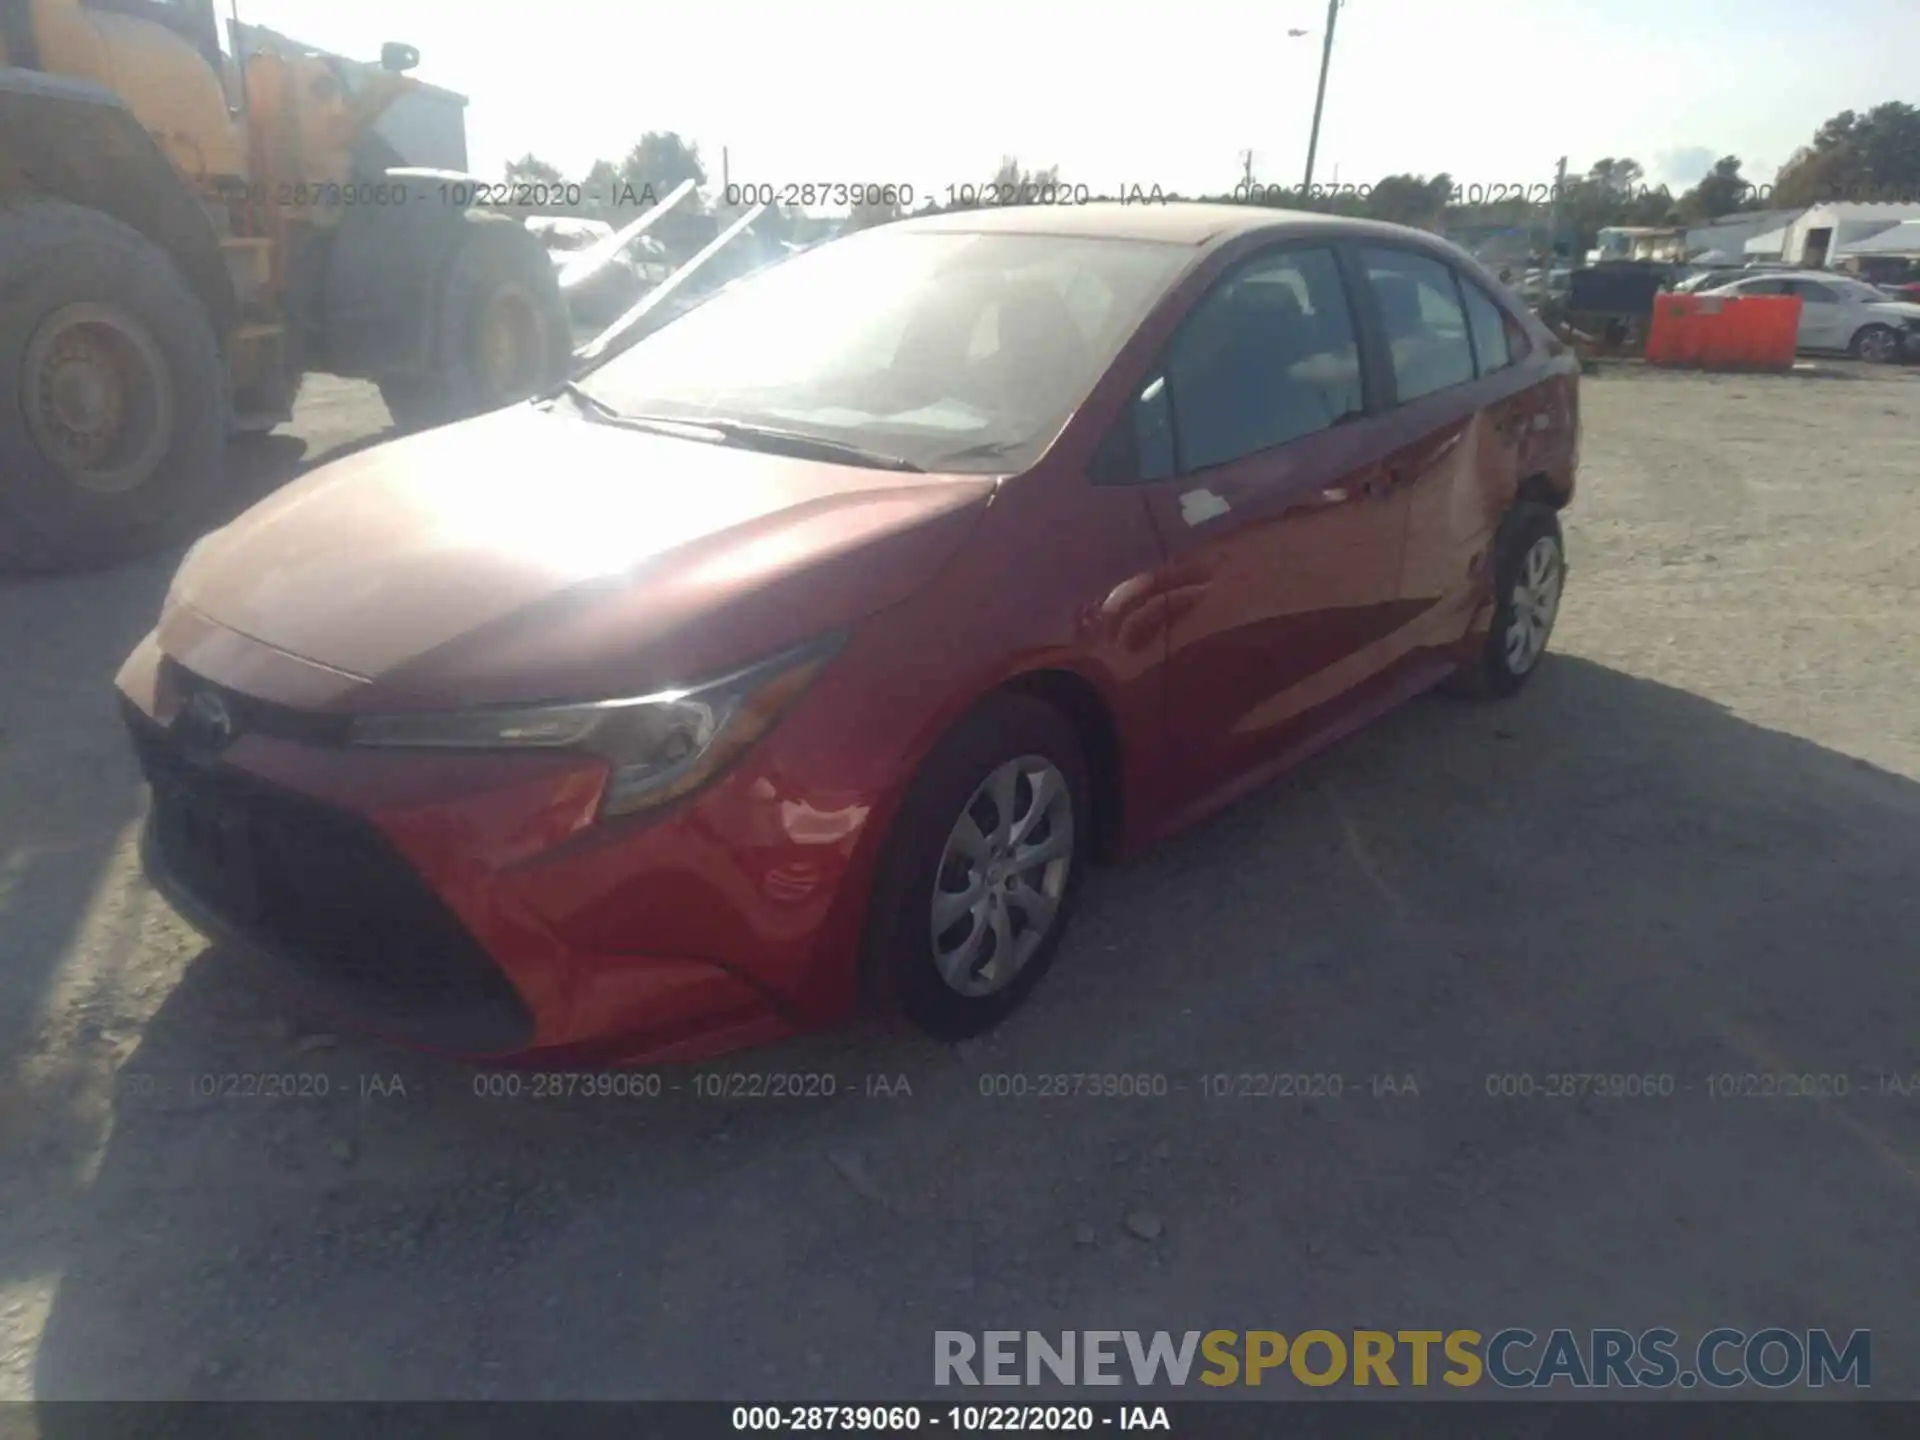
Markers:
657,747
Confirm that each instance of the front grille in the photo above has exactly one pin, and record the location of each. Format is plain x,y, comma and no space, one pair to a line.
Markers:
256,716
324,893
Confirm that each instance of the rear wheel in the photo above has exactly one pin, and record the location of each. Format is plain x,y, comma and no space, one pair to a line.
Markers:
981,870
119,385
501,330
1529,574
1877,343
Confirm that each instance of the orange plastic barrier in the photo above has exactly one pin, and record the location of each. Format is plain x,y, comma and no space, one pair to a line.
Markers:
1724,332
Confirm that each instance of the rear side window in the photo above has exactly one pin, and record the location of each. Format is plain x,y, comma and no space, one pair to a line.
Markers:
1489,326
1425,325
1267,357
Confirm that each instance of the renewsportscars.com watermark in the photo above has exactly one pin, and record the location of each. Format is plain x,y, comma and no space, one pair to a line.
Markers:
1511,1359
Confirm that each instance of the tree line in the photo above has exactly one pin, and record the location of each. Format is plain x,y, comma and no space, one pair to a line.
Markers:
1853,156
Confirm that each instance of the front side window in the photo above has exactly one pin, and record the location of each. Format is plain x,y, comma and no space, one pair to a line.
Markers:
1268,356
948,350
1814,293
1426,328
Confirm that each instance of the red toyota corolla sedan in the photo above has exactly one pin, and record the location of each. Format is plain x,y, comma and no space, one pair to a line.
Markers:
805,652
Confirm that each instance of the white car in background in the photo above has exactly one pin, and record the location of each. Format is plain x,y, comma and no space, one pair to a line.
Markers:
598,285
565,236
1839,313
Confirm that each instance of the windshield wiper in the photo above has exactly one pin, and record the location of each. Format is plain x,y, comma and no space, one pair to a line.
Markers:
795,442
594,408
985,450
739,433
590,406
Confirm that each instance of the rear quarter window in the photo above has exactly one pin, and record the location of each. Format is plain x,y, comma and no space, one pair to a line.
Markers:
1492,329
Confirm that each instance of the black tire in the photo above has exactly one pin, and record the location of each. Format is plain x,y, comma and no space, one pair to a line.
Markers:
54,255
1493,674
898,960
1872,337
496,255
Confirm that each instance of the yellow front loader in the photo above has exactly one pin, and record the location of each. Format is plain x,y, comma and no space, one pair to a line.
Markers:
187,228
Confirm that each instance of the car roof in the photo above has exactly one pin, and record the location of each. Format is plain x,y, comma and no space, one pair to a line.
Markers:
1799,275
1177,222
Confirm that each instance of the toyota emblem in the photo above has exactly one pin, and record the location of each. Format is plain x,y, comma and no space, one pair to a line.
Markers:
206,721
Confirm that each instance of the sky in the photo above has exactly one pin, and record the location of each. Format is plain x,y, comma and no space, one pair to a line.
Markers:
930,93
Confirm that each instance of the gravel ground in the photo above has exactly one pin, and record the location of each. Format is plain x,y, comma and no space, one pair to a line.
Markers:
1689,848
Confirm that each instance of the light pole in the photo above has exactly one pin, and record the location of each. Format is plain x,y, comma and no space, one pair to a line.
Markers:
1320,97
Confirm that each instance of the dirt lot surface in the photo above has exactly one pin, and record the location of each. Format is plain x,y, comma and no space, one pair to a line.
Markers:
1692,847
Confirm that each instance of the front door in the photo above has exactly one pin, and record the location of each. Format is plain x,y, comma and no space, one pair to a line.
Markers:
1263,473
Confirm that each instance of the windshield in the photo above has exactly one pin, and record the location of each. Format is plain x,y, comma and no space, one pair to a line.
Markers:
952,351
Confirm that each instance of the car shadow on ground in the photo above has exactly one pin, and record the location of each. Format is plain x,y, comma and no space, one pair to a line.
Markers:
68,786
1607,875
85,949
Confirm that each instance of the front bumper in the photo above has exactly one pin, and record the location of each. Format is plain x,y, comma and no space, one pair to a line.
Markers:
468,904
323,896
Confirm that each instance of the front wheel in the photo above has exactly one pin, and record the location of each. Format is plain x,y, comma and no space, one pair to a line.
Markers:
1876,343
981,869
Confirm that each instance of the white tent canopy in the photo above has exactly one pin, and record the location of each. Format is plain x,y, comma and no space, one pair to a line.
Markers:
1715,257
1774,242
1902,239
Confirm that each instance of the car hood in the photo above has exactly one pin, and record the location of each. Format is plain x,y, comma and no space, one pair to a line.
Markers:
1904,309
532,555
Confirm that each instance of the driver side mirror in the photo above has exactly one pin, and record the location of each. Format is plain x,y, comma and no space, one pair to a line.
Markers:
398,58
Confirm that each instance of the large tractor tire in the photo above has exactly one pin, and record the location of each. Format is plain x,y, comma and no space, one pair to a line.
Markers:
501,332
113,393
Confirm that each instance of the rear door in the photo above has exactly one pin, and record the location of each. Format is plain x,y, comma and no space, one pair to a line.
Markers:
1825,322
1262,471
1463,405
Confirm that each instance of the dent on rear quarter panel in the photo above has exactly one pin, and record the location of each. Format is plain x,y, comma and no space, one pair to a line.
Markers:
1569,452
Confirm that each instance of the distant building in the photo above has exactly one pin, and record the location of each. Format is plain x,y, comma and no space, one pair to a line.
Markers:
1768,245
1729,234
1902,242
1813,239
